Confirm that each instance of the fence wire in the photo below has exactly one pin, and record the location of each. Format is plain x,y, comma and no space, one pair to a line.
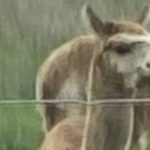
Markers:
76,102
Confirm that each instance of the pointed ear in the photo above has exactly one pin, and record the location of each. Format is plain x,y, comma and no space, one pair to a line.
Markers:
92,20
144,17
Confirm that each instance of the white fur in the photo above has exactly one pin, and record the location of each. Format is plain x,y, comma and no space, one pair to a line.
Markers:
133,64
71,90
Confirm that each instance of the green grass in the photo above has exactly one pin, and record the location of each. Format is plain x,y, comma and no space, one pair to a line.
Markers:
20,128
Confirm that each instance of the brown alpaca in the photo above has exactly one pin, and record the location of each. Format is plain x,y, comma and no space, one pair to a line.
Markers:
118,54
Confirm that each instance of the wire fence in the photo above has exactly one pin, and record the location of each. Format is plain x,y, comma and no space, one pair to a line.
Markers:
76,102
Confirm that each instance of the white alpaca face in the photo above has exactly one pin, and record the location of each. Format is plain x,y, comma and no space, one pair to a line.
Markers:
129,55
128,49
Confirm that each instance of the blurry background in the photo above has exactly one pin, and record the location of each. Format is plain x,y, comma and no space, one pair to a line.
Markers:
29,31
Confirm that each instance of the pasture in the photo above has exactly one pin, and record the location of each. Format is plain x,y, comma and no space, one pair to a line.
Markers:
29,30
20,128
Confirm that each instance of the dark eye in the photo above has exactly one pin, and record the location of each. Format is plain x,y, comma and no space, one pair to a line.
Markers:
123,49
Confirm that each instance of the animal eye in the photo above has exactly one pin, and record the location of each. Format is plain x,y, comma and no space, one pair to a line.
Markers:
123,49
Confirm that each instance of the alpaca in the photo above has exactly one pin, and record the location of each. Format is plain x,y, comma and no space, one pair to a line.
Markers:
107,64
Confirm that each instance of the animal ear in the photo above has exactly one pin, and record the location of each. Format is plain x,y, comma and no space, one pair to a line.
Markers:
144,17
92,19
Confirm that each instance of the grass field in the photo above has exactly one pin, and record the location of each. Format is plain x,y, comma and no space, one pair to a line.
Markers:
20,128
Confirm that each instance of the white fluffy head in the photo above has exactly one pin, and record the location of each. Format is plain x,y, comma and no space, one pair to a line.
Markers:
129,55
126,48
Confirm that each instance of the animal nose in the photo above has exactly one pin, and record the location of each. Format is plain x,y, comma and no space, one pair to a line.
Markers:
148,65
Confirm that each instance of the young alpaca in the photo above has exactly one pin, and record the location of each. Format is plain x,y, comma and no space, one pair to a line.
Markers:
119,53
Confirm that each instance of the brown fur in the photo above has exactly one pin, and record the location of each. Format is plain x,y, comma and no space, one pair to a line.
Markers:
68,134
142,113
71,63
118,27
78,53
76,56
